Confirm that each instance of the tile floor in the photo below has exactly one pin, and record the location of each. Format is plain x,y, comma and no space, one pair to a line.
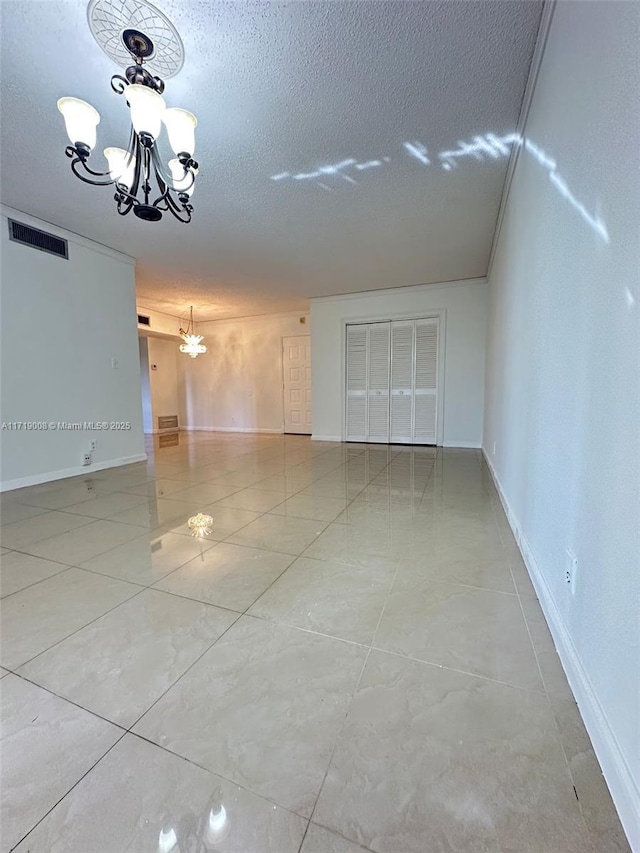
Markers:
353,660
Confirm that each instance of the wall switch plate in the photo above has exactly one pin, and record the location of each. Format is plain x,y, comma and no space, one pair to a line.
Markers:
115,364
493,452
86,459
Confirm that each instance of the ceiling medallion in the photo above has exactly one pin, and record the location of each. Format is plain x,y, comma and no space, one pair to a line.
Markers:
191,346
142,184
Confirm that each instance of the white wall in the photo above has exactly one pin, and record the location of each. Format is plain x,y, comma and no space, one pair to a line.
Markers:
464,304
62,321
237,383
563,365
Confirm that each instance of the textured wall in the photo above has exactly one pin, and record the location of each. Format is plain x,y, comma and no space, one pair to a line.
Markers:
63,321
562,411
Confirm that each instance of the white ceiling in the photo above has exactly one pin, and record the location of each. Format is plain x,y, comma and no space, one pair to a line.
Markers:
285,88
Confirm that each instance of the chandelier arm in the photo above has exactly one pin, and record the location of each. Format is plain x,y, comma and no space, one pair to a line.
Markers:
81,161
119,83
129,204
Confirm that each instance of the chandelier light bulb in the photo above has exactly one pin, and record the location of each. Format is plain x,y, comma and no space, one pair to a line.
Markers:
147,108
122,165
182,183
181,130
81,121
191,346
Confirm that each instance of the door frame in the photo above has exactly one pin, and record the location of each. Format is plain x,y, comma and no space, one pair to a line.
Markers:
440,314
284,405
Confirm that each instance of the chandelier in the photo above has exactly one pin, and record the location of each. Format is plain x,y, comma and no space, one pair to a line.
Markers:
191,346
142,183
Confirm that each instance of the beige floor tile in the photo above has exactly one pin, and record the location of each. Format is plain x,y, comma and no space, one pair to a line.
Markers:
356,545
481,571
142,798
160,488
204,493
149,557
263,708
157,513
47,746
553,676
474,630
279,533
311,506
256,500
330,597
106,504
59,495
285,485
591,789
18,571
19,512
22,534
120,664
431,759
227,575
320,840
332,489
80,544
35,618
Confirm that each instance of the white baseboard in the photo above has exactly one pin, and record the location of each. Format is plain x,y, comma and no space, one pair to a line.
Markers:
622,786
50,476
463,445
326,437
230,429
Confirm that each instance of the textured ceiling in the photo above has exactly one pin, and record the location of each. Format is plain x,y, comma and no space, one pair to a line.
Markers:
283,90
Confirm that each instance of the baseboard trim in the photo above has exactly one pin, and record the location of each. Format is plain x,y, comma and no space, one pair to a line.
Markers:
622,786
50,476
230,429
463,445
315,437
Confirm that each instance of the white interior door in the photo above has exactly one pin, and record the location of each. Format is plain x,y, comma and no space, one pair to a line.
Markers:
425,418
296,364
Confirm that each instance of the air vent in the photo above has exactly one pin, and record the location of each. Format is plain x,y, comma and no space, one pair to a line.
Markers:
144,321
28,236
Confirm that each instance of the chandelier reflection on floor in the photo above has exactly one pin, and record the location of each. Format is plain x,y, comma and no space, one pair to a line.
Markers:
141,181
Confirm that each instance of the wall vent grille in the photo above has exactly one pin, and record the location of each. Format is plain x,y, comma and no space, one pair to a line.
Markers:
144,321
41,240
168,422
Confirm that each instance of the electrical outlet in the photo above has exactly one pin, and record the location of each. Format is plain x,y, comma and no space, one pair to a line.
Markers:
93,445
571,570
86,459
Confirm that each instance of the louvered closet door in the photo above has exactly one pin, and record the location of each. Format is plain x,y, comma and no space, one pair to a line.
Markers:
426,382
378,383
357,338
402,355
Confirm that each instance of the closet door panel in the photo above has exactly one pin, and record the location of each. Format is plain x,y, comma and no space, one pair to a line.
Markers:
426,382
402,369
357,339
378,355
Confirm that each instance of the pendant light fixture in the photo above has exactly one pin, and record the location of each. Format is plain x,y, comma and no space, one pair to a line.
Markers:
191,346
142,181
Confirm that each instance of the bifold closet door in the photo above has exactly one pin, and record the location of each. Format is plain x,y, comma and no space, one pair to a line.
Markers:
392,382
